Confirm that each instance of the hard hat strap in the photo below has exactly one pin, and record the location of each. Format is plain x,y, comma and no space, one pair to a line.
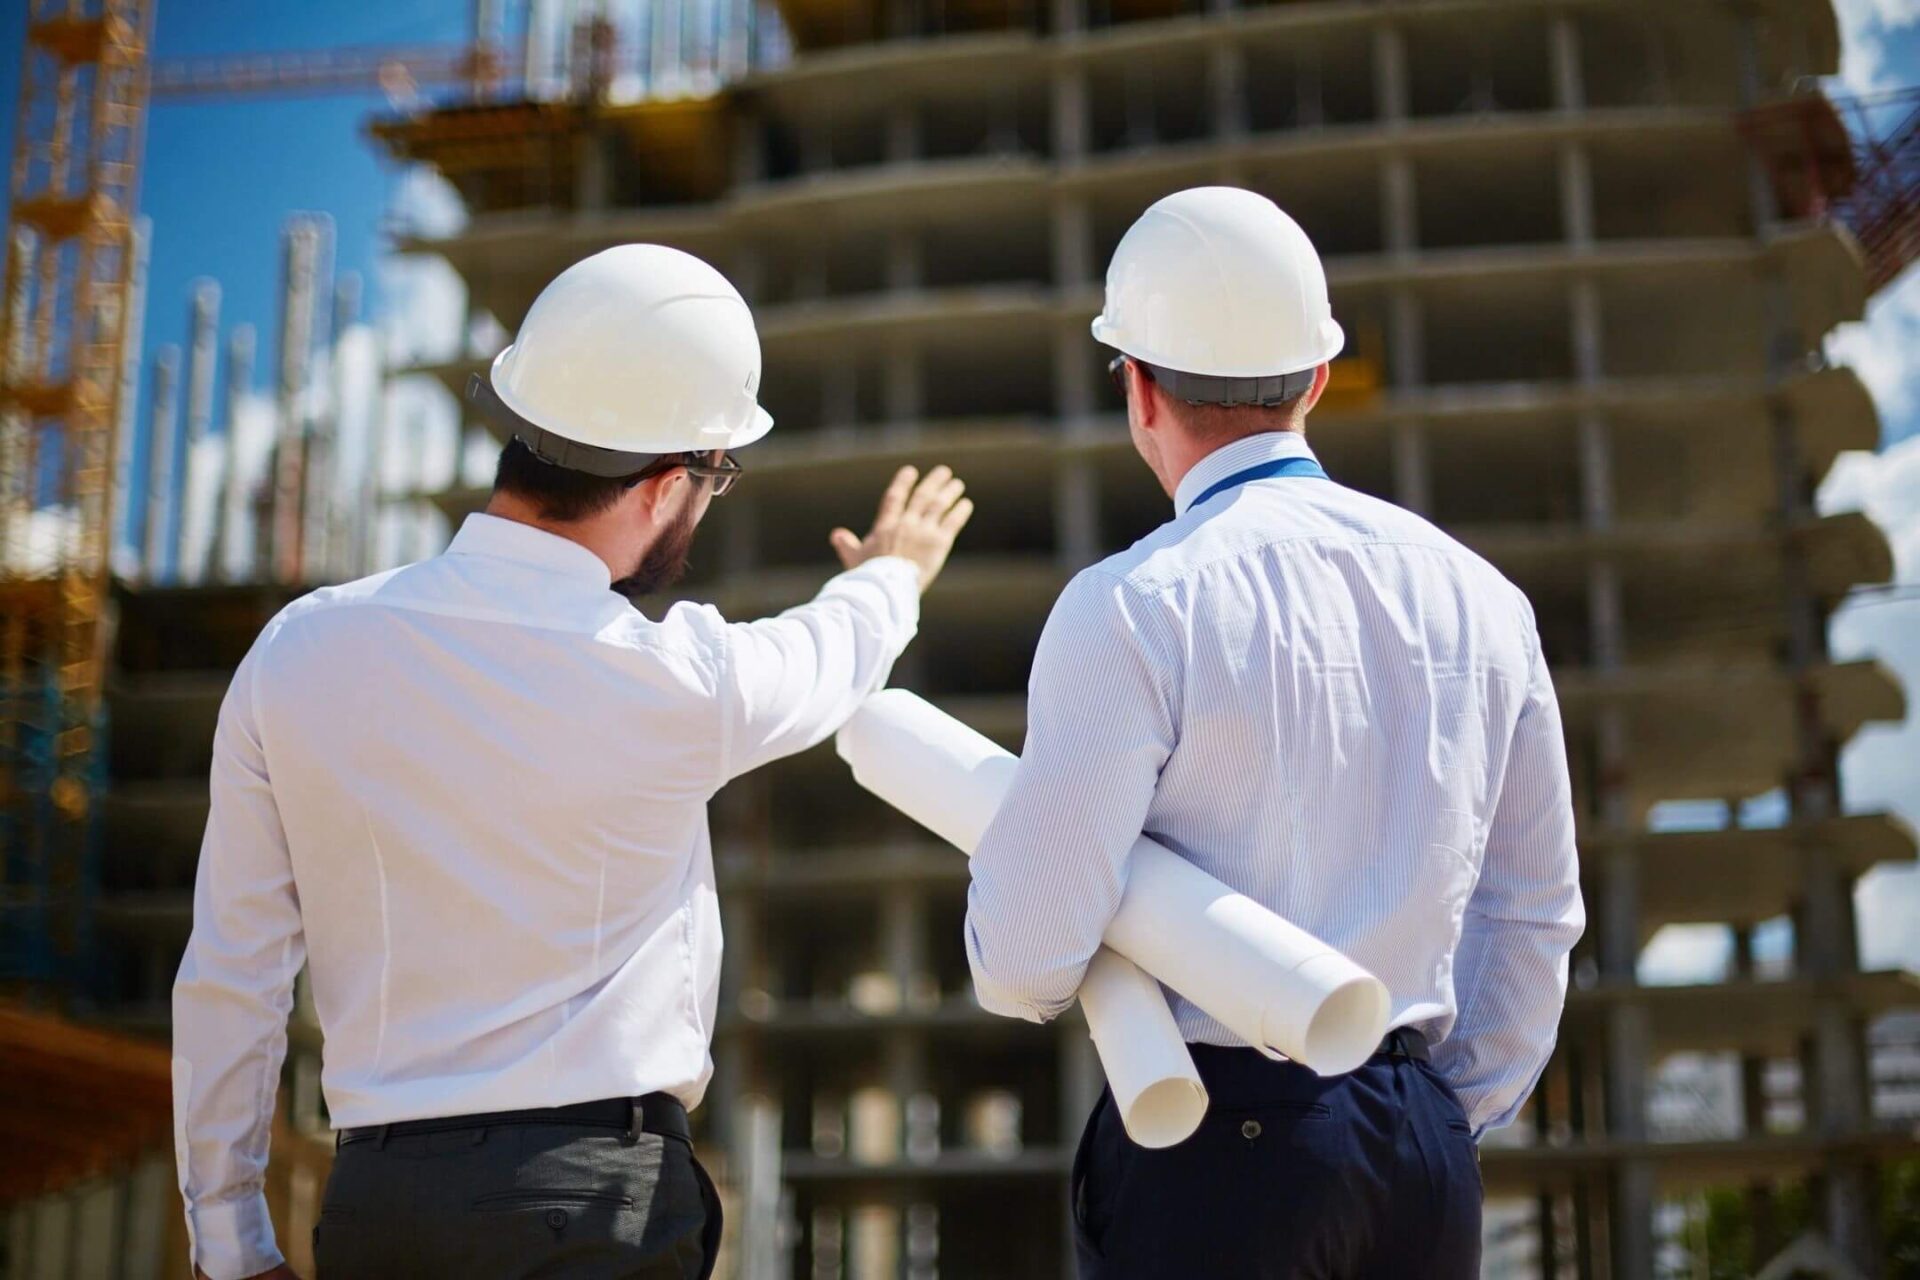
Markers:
556,450
1203,388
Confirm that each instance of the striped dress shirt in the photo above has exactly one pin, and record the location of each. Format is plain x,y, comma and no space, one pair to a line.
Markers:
1333,707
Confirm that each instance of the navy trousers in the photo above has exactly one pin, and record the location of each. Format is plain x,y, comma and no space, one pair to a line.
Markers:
1371,1174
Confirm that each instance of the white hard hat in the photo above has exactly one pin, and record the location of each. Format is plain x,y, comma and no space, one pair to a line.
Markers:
1218,284
636,352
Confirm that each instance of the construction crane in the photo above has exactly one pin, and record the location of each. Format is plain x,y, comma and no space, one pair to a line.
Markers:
71,293
69,267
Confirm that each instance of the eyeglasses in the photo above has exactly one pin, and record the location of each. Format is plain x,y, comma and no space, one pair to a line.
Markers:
722,474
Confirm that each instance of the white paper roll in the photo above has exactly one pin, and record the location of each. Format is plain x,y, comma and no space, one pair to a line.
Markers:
951,779
1155,1085
1273,984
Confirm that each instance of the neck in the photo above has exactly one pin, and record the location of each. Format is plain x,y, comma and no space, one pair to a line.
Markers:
1186,453
596,534
1236,455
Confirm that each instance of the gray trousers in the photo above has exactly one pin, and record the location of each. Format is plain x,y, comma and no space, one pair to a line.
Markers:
567,1201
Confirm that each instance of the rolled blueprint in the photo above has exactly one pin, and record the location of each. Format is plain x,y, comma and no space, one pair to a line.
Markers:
1271,983
950,779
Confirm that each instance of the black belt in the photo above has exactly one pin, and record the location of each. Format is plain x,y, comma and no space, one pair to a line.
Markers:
660,1113
1403,1042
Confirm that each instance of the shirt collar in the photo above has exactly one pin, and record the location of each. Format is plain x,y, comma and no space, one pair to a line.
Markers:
496,538
1248,451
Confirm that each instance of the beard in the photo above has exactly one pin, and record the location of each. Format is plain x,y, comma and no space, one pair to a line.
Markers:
665,562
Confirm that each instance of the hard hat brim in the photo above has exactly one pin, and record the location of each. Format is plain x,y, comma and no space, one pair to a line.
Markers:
1332,340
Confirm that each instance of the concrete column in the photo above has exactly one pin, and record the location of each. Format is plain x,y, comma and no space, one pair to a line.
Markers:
903,389
1406,358
816,143
903,929
160,431
1309,103
1824,939
749,272
1399,207
1073,265
903,134
1076,503
904,259
1070,134
1390,93
1227,74
283,525
125,556
1576,196
1563,57
749,149
1629,1039
840,399
1760,200
592,170
1412,482
232,515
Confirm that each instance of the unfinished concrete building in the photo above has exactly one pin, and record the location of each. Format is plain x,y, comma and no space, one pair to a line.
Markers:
1586,280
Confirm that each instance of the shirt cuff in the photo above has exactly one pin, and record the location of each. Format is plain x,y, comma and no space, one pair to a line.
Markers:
899,578
234,1239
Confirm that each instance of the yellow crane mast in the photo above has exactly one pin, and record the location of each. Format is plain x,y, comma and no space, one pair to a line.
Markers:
69,262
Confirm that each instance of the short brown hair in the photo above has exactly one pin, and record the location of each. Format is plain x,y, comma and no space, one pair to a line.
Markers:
1219,424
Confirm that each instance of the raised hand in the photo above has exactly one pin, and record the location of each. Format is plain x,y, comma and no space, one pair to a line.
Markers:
918,523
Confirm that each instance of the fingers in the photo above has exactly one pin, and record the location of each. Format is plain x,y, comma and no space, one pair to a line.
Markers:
956,518
846,545
894,500
936,493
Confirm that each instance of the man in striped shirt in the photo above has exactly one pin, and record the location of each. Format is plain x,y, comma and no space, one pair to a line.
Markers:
1336,709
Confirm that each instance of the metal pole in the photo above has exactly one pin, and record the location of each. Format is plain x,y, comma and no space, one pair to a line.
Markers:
166,374
203,331
341,554
281,524
323,422
231,515
126,549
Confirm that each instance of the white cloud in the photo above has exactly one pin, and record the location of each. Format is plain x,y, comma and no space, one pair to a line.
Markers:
1880,767
1881,348
1682,954
1865,26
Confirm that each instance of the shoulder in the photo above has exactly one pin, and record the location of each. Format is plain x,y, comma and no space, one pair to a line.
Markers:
329,599
690,637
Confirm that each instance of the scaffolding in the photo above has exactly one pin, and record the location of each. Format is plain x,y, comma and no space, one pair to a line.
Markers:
69,274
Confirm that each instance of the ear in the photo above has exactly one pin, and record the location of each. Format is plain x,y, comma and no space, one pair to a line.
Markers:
1143,393
651,496
1321,376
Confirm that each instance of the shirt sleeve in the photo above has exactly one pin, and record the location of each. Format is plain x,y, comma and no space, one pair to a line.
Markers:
231,1001
1051,868
790,681
1525,914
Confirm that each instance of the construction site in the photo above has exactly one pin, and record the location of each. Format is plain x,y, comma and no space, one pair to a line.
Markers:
1586,254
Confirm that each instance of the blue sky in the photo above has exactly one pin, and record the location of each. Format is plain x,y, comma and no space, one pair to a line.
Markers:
222,176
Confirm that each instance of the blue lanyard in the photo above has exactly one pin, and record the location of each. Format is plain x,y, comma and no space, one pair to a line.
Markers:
1265,471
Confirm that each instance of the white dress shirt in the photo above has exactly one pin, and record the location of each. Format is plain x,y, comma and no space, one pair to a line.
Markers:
471,795
1334,708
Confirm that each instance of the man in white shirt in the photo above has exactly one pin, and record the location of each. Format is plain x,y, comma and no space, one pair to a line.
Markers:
470,794
1332,707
